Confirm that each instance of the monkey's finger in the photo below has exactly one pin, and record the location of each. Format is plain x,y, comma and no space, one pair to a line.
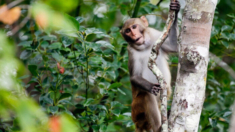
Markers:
157,88
157,84
177,6
154,92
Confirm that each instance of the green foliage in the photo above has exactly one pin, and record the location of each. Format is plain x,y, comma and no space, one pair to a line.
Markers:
18,112
76,67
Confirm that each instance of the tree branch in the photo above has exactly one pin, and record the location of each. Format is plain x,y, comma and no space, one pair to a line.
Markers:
223,65
137,6
153,67
160,1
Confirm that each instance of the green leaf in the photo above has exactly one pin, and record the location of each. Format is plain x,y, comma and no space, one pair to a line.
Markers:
147,9
80,64
101,85
127,114
111,74
119,90
226,28
33,69
56,45
116,112
96,60
115,85
25,43
53,109
129,123
103,128
228,113
88,102
69,33
49,37
80,97
25,54
44,98
231,15
96,31
34,45
24,77
73,21
225,35
80,19
67,41
105,44
102,107
213,122
232,36
154,2
65,96
92,107
79,109
92,31
44,44
102,113
116,104
95,127
225,43
73,54
61,5
57,56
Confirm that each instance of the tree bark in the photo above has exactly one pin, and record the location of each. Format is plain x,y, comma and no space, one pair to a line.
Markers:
193,45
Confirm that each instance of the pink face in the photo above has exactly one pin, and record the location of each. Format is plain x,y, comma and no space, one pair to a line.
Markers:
134,33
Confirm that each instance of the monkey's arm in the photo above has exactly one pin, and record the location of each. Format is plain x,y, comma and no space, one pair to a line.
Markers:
143,84
170,44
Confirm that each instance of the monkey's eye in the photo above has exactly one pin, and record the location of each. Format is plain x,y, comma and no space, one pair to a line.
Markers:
134,26
127,30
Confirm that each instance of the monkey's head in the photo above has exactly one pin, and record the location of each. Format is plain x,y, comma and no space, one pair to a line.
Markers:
133,30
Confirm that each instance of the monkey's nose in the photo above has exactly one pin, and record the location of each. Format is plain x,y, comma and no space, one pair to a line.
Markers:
133,33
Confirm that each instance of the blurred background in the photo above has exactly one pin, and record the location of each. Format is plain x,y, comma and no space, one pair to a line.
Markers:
64,64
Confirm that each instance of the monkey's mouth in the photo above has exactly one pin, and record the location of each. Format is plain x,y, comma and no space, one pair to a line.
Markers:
137,39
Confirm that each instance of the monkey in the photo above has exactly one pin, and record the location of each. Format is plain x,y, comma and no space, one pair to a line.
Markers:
140,38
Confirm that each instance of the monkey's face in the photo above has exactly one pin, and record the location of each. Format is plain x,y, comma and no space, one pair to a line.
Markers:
134,34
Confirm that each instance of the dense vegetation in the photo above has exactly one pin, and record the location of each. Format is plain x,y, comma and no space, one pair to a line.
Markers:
71,60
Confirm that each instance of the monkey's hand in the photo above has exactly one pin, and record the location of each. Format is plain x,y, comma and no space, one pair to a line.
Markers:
155,89
175,6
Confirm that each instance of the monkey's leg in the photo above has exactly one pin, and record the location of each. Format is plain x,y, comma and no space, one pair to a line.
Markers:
150,130
154,114
138,130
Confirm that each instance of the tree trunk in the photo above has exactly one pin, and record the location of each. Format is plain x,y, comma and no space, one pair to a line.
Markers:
193,47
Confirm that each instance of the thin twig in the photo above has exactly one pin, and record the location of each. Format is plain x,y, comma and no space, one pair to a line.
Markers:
160,1
153,67
22,24
14,3
223,65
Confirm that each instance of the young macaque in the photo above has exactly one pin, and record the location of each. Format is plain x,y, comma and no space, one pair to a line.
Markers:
145,111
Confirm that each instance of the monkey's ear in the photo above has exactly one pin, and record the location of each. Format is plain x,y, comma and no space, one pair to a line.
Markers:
143,18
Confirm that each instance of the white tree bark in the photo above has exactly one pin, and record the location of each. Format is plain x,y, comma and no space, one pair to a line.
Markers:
193,47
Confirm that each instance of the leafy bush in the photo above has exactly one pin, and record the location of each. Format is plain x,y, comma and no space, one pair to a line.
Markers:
76,67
